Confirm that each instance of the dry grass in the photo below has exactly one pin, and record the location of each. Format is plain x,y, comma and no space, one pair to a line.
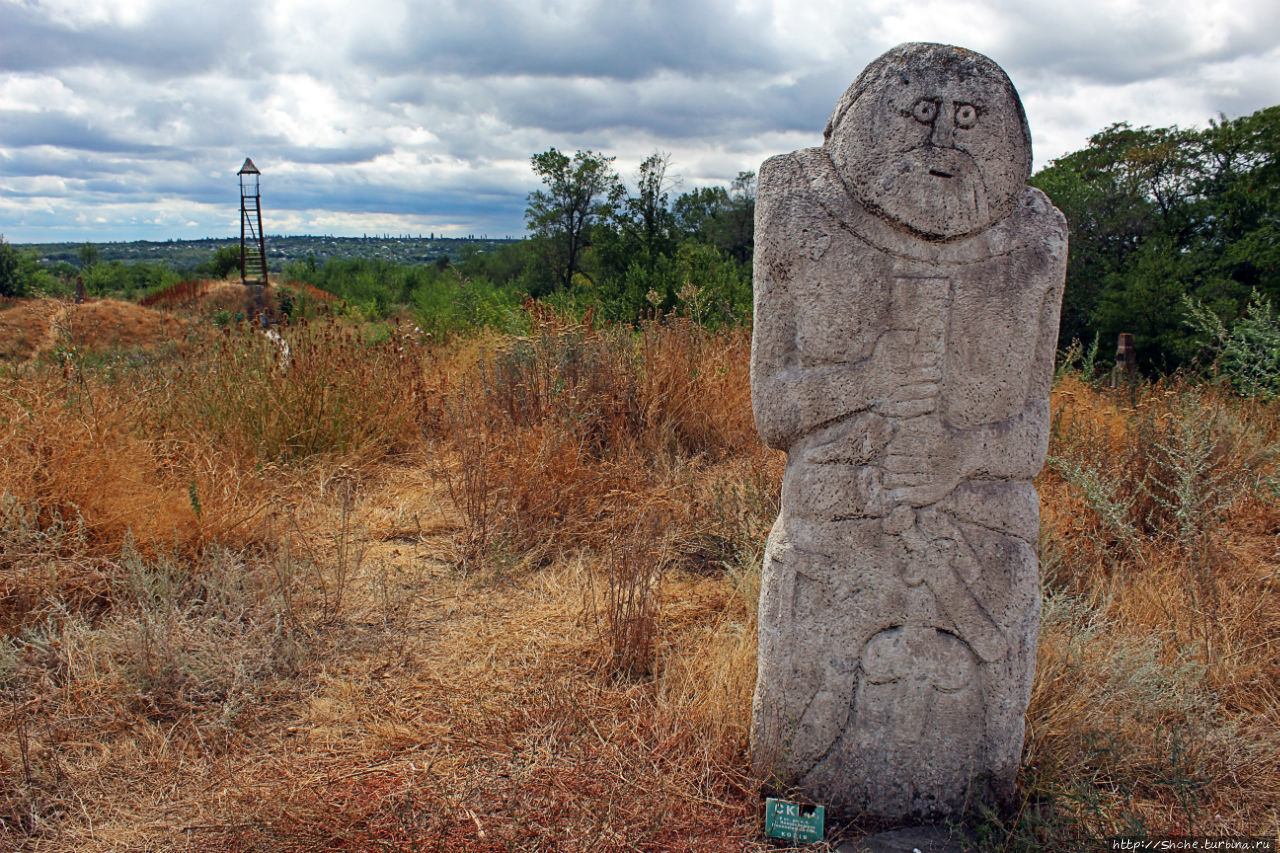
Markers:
1156,707
314,388
601,422
187,293
503,597
24,326
208,296
36,327
72,456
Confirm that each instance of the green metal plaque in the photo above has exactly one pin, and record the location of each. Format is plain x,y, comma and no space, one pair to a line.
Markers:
793,821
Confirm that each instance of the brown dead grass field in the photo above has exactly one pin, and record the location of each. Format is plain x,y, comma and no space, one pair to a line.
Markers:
371,596
30,327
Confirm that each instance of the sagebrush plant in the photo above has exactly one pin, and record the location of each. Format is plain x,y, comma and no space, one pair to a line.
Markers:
1156,585
1102,494
1246,353
1162,472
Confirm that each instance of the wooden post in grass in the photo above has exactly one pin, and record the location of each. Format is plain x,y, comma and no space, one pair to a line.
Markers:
1126,361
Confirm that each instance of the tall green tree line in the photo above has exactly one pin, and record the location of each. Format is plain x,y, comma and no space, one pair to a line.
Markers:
629,247
1156,214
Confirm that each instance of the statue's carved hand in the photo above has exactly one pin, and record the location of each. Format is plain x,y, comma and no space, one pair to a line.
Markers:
906,381
920,465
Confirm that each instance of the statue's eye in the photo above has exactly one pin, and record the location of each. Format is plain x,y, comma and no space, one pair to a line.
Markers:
925,111
966,115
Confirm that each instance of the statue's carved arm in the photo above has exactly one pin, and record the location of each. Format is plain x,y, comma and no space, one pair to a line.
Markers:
791,393
791,401
927,457
1016,448
793,396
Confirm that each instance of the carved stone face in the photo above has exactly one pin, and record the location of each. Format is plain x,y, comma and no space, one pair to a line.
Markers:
934,138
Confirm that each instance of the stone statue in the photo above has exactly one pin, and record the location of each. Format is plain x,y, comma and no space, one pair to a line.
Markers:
907,291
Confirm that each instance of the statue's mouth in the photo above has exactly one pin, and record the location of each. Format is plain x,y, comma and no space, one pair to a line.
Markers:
935,191
942,162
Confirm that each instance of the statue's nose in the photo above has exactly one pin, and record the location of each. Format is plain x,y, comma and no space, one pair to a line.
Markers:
944,127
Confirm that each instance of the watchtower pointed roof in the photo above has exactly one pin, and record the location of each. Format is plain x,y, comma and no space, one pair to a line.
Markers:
248,168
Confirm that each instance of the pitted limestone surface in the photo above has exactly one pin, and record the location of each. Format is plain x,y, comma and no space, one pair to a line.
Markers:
908,286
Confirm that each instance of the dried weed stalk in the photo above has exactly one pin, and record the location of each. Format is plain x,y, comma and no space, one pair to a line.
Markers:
625,609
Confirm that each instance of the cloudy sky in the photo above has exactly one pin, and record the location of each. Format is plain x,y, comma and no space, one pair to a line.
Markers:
128,119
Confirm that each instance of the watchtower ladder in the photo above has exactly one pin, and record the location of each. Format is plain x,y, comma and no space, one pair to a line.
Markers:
253,245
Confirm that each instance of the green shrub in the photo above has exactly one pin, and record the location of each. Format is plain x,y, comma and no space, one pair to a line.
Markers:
127,280
21,274
225,261
455,303
1248,353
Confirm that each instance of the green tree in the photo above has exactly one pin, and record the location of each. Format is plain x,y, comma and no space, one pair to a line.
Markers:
1156,214
634,250
225,261
646,214
11,283
579,192
696,211
1238,226
89,255
739,217
22,274
723,217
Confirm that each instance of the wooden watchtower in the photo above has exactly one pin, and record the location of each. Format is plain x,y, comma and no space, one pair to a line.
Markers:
253,245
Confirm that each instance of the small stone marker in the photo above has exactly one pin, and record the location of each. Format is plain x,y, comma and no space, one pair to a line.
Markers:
793,821
907,291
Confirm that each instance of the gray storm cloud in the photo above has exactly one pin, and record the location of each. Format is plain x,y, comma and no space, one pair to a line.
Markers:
430,111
